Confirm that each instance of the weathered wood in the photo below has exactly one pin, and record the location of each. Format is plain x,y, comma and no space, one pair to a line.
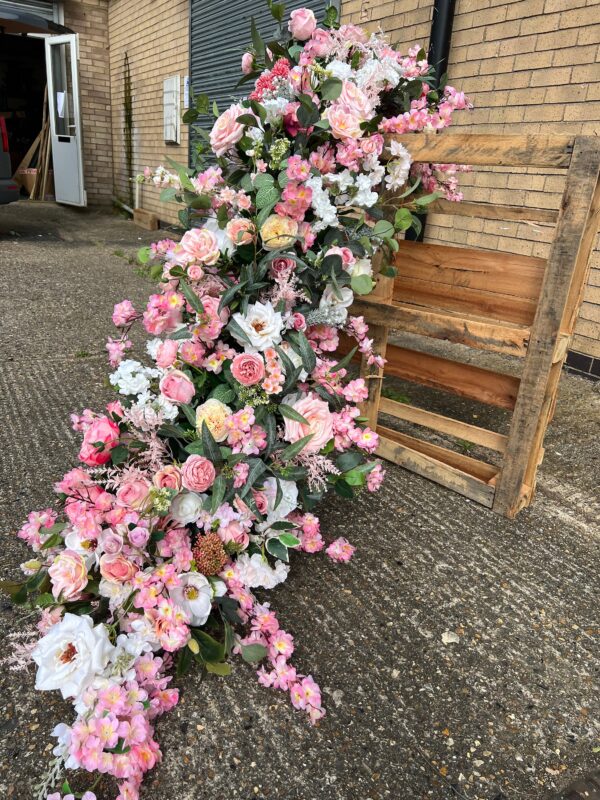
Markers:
545,216
26,160
145,219
437,422
451,326
491,150
507,273
410,453
491,304
465,380
570,250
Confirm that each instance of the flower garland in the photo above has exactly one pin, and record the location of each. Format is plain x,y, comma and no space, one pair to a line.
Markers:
201,479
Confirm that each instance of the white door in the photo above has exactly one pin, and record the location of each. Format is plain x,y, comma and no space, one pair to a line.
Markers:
65,119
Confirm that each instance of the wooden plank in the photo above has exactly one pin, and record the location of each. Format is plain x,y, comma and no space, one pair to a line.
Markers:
491,150
407,452
568,257
145,219
451,326
462,298
438,422
465,380
507,273
26,160
545,216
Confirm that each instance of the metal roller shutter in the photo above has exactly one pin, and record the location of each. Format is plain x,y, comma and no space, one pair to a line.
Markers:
219,34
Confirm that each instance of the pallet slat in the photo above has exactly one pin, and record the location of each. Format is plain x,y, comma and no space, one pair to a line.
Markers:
408,452
545,216
490,150
437,422
465,380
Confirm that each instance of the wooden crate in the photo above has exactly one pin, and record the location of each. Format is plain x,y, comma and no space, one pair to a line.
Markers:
512,304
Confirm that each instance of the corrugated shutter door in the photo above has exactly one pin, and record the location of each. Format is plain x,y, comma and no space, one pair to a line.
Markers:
219,34
43,8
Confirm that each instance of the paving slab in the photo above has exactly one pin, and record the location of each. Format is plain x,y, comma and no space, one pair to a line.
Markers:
510,710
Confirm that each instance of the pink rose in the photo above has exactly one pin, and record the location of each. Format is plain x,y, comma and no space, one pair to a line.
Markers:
248,369
197,474
133,494
177,387
241,231
68,575
282,268
98,440
168,477
110,542
234,532
202,245
372,144
319,423
226,131
345,254
195,272
115,408
302,24
261,500
344,125
123,313
166,353
117,568
139,536
298,321
319,45
355,101
247,63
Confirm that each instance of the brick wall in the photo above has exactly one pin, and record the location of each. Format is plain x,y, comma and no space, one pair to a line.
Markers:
530,66
155,36
89,18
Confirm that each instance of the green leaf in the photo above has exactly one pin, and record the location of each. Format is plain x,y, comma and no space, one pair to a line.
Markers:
143,255
168,194
403,219
215,109
45,600
220,668
344,489
184,660
210,447
247,119
294,449
343,362
361,284
270,427
283,525
229,294
253,653
263,179
218,490
182,333
383,228
257,42
288,540
331,89
302,346
191,297
257,467
291,413
201,201
259,110
348,460
172,431
426,199
223,393
189,413
210,649
277,549
355,478
266,196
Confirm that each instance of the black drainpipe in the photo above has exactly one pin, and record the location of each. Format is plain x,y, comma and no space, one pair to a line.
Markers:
440,38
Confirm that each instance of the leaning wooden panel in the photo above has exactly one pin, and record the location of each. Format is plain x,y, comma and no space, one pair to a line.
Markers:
545,216
490,150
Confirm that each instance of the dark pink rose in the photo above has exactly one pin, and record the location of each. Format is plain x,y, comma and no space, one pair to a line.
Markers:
98,440
248,369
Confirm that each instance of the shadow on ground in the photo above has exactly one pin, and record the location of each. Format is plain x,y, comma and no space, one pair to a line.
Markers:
510,711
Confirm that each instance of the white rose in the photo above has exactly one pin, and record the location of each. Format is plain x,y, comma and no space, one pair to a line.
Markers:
261,324
362,266
224,243
71,655
336,297
194,596
116,593
186,507
339,69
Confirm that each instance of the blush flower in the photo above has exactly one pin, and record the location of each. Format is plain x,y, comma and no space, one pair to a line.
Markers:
319,423
226,131
302,24
197,474
177,387
248,369
68,575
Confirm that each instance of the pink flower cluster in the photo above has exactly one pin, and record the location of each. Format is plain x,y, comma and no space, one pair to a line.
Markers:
243,436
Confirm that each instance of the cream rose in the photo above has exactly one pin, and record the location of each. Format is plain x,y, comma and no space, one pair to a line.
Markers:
214,413
278,232
186,507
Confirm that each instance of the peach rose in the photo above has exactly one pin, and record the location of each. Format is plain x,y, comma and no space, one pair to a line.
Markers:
166,353
197,474
343,124
168,477
202,245
226,131
241,231
319,423
117,568
355,101
248,369
278,232
177,387
302,24
133,494
68,575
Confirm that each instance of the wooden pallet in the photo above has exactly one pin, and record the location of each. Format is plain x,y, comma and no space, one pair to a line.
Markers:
518,305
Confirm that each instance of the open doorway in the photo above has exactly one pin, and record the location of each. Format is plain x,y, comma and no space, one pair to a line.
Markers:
22,86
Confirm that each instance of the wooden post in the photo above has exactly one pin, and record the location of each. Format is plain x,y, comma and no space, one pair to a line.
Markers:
557,306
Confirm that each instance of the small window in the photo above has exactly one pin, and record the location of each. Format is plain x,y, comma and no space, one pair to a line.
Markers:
171,109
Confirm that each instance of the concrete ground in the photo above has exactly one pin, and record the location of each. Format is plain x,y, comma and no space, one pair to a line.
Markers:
509,711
